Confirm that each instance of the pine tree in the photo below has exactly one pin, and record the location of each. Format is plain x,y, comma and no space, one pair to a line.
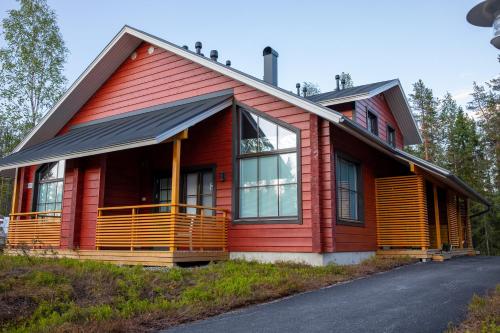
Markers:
425,107
31,65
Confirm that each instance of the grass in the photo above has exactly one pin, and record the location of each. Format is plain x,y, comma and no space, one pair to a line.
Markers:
63,295
483,315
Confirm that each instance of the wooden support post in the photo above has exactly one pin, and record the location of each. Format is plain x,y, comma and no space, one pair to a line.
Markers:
436,218
176,180
460,224
469,227
13,208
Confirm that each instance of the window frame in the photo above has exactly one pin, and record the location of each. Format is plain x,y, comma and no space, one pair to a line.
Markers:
390,130
360,222
236,128
183,173
371,115
37,182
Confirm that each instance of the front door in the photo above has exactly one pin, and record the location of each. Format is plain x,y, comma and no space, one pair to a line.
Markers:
197,189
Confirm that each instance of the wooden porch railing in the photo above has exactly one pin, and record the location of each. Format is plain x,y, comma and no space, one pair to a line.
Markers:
35,229
162,226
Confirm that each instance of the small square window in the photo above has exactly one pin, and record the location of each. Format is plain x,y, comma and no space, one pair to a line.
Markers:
372,122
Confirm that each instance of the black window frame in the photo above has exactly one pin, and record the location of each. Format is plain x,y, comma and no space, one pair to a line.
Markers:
391,136
360,221
237,156
38,181
370,115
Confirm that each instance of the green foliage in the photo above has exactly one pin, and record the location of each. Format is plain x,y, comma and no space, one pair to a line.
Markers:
31,65
68,296
310,88
467,146
425,107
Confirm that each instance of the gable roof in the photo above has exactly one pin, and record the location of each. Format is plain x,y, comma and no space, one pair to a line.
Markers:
128,39
113,55
394,95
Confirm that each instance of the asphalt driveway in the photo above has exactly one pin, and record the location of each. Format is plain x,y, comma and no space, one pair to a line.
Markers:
423,297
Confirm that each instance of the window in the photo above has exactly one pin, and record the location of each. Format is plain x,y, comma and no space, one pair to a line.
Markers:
372,122
349,196
267,165
391,136
49,187
198,190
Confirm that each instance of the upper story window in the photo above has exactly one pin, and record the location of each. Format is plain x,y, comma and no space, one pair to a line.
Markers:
349,190
372,122
391,136
49,187
267,169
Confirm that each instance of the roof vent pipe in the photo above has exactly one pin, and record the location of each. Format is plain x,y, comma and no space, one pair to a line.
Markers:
343,83
270,65
228,63
214,55
298,88
198,46
304,91
337,79
185,47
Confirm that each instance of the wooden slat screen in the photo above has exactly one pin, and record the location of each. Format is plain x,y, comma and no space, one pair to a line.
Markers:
451,205
155,227
402,212
35,230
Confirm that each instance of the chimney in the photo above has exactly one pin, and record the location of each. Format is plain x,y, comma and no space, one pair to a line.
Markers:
337,78
270,65
342,82
298,88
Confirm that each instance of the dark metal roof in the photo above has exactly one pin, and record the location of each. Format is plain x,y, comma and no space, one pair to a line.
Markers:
134,129
347,92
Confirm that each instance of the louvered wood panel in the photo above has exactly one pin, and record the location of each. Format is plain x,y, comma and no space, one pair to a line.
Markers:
401,212
451,205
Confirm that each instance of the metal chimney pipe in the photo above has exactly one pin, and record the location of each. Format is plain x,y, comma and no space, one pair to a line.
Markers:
343,83
214,55
304,91
298,88
337,79
270,65
198,47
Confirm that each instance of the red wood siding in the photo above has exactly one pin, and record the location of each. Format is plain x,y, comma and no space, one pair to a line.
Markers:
379,107
164,77
373,164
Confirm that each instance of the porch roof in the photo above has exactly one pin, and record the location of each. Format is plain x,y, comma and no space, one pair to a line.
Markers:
134,129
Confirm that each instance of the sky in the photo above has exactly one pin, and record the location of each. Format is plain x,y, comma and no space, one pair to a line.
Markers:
371,40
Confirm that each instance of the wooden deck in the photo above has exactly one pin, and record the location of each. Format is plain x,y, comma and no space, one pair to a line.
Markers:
125,257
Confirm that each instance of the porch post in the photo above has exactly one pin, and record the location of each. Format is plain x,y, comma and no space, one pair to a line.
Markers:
176,175
436,217
460,224
13,208
469,227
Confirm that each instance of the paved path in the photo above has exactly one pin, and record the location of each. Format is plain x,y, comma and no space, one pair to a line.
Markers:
423,297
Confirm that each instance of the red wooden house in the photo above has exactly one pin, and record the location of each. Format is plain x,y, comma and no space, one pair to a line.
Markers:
159,155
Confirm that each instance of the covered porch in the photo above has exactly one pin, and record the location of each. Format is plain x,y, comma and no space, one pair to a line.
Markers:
148,205
419,216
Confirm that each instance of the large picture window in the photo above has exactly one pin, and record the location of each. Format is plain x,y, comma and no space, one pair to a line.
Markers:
349,195
267,167
49,187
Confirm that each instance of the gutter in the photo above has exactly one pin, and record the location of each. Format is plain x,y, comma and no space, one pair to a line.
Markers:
488,208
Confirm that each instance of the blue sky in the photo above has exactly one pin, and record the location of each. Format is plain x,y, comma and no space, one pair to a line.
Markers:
372,40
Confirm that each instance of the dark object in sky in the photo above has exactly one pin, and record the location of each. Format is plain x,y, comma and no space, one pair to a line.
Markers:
487,14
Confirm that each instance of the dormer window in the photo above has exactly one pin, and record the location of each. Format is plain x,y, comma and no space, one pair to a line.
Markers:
391,136
372,122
